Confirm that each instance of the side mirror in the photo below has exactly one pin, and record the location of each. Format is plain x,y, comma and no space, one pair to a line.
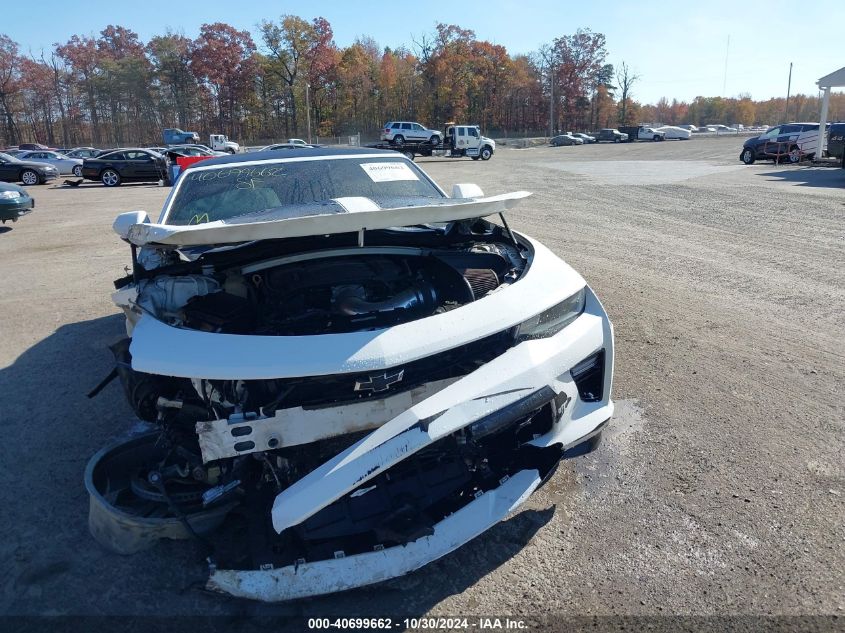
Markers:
125,220
467,190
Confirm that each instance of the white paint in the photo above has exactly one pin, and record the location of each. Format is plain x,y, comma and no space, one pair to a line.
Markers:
465,190
328,576
296,425
161,349
388,172
513,375
219,232
356,204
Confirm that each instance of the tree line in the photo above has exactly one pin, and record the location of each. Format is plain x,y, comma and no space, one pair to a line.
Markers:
114,89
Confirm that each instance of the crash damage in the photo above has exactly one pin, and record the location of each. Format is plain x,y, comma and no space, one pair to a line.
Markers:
347,391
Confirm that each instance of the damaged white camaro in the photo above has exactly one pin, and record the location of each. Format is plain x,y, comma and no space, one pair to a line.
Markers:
350,374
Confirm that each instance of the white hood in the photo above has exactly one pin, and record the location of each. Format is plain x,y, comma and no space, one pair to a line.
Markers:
359,214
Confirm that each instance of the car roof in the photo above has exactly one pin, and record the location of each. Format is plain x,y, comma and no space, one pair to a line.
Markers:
306,152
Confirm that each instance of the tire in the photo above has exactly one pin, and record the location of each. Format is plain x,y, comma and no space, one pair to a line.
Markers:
794,154
434,140
399,140
110,178
747,156
30,177
77,171
615,140
486,152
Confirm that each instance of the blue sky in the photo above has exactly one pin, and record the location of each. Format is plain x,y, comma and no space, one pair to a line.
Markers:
678,49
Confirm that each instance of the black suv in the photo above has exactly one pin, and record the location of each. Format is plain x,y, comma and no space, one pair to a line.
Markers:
790,141
836,142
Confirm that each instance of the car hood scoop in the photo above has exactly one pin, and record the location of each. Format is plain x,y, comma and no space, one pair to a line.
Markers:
357,214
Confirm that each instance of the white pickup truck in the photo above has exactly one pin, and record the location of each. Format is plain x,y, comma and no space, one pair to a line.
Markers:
221,143
642,133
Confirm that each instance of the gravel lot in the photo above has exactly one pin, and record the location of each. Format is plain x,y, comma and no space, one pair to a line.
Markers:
718,490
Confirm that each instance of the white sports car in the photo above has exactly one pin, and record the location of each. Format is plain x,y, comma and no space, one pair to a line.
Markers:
348,373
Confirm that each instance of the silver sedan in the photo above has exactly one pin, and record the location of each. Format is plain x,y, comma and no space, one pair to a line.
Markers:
64,164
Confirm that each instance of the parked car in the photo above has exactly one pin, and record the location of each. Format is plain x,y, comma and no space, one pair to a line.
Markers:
585,137
399,132
297,141
82,152
15,202
125,165
675,132
31,147
612,135
276,146
64,164
12,169
688,126
565,139
791,141
193,150
175,136
357,412
723,129
836,141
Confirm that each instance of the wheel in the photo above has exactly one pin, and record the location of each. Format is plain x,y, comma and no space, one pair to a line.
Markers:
399,140
30,177
486,152
616,140
110,178
747,156
655,138
77,171
434,140
794,154
408,154
230,150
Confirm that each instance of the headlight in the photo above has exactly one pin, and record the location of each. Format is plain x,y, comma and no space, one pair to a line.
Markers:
9,195
553,320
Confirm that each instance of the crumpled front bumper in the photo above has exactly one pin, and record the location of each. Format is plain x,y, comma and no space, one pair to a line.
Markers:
529,368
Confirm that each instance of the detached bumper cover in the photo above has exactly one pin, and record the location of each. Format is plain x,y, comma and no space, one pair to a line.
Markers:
328,576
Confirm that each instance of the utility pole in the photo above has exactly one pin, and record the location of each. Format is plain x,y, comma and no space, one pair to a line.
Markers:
788,89
551,98
308,108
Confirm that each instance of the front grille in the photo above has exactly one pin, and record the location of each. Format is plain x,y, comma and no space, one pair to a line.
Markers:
453,363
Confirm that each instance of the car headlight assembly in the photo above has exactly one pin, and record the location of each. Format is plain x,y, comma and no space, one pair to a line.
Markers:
9,195
551,321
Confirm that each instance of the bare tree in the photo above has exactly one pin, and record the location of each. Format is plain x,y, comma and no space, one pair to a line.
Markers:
546,59
625,78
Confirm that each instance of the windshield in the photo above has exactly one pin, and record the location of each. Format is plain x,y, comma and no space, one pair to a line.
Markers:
296,189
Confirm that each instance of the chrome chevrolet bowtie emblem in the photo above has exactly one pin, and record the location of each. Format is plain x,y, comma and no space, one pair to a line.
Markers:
380,382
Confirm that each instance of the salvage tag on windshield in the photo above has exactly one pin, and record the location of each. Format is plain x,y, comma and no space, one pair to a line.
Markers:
388,172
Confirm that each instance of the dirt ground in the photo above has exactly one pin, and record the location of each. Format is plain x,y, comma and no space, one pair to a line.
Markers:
719,486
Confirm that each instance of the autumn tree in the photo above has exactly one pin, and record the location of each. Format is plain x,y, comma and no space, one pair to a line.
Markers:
9,77
579,60
223,61
170,55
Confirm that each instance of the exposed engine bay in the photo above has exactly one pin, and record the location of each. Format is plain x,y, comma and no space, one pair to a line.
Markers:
332,292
